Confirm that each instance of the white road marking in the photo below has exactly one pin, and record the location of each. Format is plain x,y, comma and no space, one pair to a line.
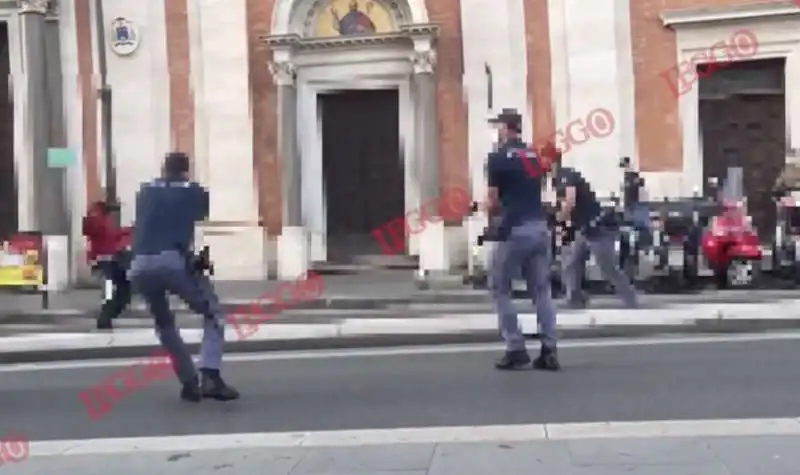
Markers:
422,435
411,350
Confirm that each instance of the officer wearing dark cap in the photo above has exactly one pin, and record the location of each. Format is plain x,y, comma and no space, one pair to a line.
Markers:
167,209
515,195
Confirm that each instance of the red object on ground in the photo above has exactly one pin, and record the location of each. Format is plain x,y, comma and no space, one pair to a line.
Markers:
104,237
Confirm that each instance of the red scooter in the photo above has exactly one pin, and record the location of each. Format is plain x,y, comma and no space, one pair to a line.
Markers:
732,248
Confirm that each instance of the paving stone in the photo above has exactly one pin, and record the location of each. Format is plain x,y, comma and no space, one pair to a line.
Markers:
369,459
505,458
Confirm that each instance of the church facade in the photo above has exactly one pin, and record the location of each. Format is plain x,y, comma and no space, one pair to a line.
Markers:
314,122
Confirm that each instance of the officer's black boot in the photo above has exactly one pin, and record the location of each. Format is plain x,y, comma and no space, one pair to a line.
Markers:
213,387
513,360
547,360
191,391
104,319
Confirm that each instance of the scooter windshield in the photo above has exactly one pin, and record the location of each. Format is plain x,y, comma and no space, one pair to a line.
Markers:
731,221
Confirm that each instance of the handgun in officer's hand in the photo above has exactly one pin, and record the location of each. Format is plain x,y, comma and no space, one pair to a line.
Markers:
202,261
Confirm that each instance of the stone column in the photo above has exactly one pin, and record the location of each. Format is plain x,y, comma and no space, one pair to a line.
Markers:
433,256
48,195
293,241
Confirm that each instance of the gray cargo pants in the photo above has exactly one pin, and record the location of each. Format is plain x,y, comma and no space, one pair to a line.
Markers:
526,249
156,276
600,243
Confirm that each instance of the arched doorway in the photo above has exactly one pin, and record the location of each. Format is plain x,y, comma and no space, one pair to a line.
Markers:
347,91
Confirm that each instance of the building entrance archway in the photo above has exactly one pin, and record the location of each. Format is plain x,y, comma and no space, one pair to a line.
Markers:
323,52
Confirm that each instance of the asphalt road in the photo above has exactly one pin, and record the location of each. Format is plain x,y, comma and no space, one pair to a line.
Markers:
432,387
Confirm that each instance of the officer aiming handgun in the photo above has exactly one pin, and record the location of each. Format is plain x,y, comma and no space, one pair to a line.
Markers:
167,209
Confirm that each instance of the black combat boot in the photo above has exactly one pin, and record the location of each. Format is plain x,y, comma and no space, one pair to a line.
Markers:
513,360
105,317
104,323
213,387
547,360
191,391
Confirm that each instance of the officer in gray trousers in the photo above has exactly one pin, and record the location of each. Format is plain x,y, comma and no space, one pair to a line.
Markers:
595,232
163,263
515,190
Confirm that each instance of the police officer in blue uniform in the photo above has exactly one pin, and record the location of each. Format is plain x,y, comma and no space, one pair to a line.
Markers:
163,263
515,194
595,232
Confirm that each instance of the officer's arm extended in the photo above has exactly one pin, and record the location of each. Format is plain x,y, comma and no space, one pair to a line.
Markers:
494,179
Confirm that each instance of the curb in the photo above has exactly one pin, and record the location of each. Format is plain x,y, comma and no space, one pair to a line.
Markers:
266,307
348,303
699,326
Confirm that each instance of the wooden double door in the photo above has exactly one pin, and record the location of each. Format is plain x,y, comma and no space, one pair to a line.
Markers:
8,182
746,127
363,171
747,131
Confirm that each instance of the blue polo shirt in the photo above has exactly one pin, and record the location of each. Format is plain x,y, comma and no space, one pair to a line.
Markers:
166,213
587,207
520,193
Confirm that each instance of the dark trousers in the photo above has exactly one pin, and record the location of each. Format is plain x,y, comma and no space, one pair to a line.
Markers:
116,286
526,251
155,277
600,242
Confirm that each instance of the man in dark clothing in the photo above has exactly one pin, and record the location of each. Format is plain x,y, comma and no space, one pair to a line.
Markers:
108,252
595,232
523,243
166,212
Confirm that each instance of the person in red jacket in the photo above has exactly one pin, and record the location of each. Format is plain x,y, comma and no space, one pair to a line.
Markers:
108,252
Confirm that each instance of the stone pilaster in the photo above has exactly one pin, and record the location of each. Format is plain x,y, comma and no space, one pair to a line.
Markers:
426,135
283,74
293,255
434,255
50,216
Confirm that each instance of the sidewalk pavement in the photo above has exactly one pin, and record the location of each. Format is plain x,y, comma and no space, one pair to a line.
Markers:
338,330
376,291
697,447
372,290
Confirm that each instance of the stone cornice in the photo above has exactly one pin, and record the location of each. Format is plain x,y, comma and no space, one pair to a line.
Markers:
694,16
406,34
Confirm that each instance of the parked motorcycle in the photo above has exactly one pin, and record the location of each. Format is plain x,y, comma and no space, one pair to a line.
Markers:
785,261
672,262
731,245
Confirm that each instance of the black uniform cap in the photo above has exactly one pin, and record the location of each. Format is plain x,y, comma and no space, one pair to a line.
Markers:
176,163
510,117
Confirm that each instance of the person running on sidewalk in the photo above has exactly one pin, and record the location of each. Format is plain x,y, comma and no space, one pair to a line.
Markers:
515,175
108,252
